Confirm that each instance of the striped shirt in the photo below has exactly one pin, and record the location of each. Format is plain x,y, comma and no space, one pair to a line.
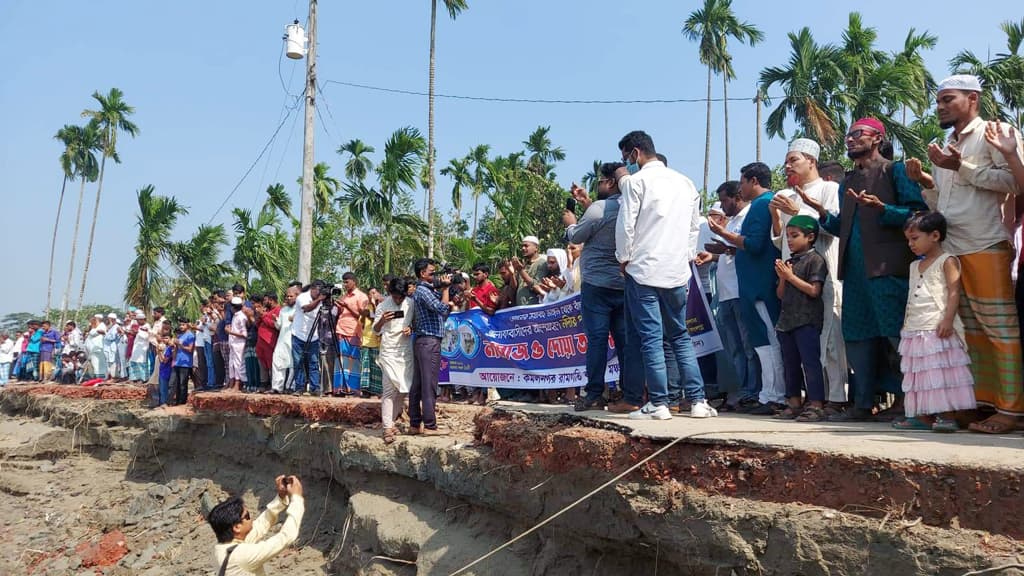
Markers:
430,311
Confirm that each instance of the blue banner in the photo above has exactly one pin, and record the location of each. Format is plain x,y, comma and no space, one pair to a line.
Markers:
542,346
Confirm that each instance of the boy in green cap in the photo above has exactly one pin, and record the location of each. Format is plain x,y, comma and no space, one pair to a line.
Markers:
799,327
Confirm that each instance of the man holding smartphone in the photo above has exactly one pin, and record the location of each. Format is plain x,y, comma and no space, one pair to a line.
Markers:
431,310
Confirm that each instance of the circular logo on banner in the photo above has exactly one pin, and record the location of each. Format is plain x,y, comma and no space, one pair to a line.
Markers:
469,341
450,342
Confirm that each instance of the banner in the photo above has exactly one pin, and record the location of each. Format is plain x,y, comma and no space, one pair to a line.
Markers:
543,346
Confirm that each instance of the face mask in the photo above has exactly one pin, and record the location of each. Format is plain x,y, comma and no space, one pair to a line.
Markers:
632,167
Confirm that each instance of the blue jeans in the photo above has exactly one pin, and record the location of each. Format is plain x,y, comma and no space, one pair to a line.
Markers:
603,312
737,346
801,358
163,390
876,368
656,314
306,362
211,375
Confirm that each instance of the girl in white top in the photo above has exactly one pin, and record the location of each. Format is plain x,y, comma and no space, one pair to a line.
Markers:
936,368
393,322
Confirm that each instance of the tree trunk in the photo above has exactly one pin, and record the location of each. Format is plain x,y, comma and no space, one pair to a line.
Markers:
476,209
92,232
725,107
74,249
707,136
53,246
430,137
757,134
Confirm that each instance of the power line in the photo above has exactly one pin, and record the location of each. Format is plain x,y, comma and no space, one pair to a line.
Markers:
254,163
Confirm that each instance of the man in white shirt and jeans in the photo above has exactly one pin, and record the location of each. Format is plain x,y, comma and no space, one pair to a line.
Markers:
656,201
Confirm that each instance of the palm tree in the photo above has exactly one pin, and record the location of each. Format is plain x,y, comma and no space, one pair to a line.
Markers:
156,220
590,179
324,189
112,117
67,136
711,26
458,171
278,198
542,155
88,139
198,262
910,59
455,7
479,156
359,164
397,175
261,246
813,74
1002,76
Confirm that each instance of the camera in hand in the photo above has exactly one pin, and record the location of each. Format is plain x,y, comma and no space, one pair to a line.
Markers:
398,314
457,281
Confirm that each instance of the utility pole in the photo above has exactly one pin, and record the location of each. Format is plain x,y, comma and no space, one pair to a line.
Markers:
757,102
306,203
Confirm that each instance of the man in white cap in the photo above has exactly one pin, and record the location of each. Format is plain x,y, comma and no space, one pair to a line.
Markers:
531,270
973,188
110,343
801,166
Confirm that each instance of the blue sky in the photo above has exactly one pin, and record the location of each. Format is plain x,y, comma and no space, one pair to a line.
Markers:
203,77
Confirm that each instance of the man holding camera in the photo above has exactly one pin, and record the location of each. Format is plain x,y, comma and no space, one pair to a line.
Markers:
241,549
432,309
306,339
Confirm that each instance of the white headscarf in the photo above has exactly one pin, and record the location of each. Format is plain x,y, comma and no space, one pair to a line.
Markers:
563,265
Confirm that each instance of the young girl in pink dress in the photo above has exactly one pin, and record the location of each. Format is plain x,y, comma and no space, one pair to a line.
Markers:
936,368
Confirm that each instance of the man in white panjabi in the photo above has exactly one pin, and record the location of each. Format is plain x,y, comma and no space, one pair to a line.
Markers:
281,365
801,167
393,321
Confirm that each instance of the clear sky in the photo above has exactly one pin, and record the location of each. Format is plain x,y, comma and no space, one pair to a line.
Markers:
204,79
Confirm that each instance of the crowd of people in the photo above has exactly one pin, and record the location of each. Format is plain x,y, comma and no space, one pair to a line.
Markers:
883,292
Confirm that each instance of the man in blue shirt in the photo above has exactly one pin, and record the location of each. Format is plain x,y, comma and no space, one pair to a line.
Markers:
48,343
182,367
30,369
432,310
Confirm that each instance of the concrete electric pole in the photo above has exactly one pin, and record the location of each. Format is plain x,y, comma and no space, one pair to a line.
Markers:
306,205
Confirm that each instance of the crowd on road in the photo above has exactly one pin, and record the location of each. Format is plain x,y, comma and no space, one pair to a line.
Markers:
881,292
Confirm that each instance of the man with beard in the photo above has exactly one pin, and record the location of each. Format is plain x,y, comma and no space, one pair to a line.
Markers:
603,295
530,272
801,167
281,372
874,260
970,187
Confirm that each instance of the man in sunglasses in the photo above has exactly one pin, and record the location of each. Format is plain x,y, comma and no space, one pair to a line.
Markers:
877,198
241,548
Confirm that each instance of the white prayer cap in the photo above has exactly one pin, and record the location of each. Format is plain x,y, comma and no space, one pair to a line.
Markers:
716,208
805,146
112,315
98,316
236,301
140,315
532,239
968,82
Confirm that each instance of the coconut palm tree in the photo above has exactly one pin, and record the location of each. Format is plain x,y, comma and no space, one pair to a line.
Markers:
712,26
67,136
454,7
542,155
112,117
156,220
88,139
811,77
359,164
397,175
458,171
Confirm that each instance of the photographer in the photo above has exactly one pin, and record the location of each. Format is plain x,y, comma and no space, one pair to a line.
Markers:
432,309
394,325
306,338
240,547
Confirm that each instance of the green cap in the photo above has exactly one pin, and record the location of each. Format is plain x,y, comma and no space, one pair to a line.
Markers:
803,222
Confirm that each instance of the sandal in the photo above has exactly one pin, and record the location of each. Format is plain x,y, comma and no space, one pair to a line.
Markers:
945,425
811,414
992,426
389,435
789,413
913,424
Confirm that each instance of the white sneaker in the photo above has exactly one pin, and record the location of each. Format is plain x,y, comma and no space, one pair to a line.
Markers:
702,409
651,412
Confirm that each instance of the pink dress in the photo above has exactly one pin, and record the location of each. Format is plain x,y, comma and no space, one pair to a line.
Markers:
236,345
936,371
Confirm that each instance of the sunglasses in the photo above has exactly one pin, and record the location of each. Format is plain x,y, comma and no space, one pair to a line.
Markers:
854,134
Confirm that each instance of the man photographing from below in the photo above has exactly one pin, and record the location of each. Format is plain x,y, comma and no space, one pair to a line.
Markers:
241,549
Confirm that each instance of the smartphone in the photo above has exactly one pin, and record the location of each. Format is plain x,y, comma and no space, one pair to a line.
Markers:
399,314
570,204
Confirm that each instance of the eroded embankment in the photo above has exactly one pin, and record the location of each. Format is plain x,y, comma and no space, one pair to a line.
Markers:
432,505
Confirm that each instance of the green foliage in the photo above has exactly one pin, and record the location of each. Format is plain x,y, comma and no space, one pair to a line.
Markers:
155,221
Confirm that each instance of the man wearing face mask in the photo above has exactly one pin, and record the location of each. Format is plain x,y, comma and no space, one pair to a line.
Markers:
656,201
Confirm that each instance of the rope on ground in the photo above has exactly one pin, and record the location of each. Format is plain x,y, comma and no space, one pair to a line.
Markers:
654,455
993,570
